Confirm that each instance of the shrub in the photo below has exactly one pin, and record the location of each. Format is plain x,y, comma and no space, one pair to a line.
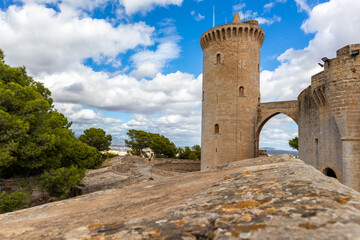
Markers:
59,182
11,201
109,155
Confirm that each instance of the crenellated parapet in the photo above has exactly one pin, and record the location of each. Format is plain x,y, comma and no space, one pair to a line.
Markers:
247,31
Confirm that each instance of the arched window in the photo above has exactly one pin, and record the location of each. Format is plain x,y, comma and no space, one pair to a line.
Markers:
241,91
217,130
218,58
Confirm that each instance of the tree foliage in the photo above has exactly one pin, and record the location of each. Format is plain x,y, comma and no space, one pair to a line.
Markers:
159,144
34,137
11,201
97,138
162,146
59,182
139,140
193,153
294,143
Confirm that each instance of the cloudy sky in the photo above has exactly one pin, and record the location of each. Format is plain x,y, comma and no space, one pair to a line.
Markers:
124,64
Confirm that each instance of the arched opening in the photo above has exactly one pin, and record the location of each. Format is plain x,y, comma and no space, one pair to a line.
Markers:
330,173
274,133
241,91
217,129
218,58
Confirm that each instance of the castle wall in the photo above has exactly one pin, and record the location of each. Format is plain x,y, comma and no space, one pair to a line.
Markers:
309,129
319,138
329,118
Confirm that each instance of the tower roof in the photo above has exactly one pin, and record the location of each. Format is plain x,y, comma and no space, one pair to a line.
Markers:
236,18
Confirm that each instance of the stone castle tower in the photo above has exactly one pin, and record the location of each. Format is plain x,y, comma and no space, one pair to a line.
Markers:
231,91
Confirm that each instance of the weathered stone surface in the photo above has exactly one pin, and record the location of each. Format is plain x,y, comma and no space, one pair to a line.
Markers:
276,197
119,172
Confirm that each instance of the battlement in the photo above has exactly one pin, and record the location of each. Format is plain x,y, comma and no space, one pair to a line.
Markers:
247,31
346,62
351,49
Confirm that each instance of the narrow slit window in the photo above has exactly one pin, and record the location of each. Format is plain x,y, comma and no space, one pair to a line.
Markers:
217,130
241,91
203,95
218,58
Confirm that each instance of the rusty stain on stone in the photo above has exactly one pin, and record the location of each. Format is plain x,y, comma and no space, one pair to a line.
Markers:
180,223
253,227
240,205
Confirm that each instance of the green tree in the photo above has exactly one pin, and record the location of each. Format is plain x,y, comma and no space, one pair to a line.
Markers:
34,137
11,201
59,182
159,144
96,137
294,143
197,150
184,153
193,153
162,146
139,140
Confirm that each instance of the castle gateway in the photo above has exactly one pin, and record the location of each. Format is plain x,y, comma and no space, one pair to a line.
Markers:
327,112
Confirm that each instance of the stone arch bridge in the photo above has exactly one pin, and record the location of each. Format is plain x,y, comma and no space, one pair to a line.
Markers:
270,109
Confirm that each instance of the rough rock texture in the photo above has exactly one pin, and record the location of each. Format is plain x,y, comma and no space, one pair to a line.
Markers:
276,197
119,172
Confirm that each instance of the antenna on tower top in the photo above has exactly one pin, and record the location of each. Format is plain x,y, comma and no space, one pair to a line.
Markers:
214,15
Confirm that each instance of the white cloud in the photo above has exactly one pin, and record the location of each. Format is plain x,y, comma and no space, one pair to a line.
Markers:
173,93
268,21
49,41
149,63
303,6
254,15
239,7
199,17
333,23
144,6
269,6
81,4
181,129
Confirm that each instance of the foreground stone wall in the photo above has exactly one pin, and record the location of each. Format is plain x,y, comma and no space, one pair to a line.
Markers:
276,197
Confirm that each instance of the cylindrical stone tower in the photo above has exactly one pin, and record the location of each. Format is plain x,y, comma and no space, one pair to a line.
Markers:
231,91
342,98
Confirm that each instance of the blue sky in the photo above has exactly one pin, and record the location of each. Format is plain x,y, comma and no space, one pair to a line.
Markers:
123,64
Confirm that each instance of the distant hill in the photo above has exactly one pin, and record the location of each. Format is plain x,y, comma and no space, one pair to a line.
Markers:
273,151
